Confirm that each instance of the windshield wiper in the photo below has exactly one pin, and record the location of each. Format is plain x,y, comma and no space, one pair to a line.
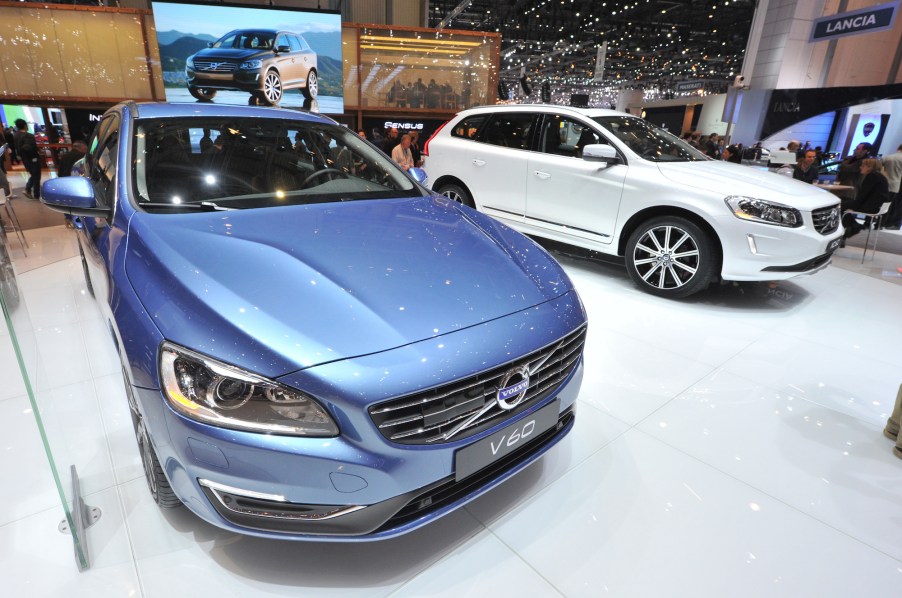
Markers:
204,206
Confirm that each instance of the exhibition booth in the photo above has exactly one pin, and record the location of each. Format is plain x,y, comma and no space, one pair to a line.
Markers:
711,388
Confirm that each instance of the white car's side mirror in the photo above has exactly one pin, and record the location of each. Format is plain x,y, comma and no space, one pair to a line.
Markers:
599,152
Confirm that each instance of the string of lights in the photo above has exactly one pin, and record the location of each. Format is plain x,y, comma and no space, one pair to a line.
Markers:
652,45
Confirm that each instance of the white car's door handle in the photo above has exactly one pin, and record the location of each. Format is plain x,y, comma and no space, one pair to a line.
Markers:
479,162
543,175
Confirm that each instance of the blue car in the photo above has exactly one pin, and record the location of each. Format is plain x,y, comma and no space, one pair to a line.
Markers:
314,345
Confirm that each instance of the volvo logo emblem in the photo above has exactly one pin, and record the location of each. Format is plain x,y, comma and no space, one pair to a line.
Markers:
833,219
213,66
512,390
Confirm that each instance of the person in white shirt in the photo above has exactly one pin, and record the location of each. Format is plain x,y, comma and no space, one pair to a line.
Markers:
892,164
401,154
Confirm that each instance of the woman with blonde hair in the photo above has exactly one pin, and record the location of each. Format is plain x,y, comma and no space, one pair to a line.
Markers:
872,194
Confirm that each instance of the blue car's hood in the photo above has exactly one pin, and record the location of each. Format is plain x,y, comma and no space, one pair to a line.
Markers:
278,289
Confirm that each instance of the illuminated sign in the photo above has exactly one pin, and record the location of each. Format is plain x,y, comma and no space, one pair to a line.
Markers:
865,20
689,85
405,126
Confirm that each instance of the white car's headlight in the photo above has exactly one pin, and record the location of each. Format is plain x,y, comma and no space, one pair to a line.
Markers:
759,210
251,64
218,394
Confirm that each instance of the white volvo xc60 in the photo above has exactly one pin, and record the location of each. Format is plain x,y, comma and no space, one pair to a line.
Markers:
616,184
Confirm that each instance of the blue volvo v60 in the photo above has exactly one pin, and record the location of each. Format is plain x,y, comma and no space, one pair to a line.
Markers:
314,345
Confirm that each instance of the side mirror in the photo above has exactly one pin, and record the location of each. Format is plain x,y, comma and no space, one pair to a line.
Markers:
419,175
600,152
209,44
283,49
73,195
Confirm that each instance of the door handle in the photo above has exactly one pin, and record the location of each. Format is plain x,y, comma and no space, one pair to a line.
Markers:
479,162
543,175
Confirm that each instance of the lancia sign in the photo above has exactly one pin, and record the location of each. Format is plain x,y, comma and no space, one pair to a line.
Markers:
865,20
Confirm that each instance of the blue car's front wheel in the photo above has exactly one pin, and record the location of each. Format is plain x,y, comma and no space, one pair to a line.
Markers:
159,486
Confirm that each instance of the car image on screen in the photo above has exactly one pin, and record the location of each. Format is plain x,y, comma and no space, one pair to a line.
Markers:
264,62
313,344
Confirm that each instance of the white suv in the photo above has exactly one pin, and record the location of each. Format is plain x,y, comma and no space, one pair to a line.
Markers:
614,183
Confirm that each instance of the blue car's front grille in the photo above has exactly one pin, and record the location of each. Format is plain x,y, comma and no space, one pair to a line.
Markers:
466,407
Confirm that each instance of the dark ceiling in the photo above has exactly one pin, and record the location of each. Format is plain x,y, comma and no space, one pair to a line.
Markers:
650,43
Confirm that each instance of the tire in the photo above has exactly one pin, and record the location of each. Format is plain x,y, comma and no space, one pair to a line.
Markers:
84,268
457,193
671,257
159,487
310,92
272,88
201,93
157,483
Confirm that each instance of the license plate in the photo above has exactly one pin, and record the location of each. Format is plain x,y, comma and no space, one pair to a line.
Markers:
471,459
833,245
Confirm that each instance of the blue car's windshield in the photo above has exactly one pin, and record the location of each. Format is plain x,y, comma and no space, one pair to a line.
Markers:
254,163
648,141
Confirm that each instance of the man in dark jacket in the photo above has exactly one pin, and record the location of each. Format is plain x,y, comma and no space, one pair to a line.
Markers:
69,159
806,169
27,148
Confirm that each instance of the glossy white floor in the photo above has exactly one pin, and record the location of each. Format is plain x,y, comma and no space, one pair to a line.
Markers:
729,445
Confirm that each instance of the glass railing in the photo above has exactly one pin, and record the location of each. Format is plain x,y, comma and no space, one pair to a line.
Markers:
41,326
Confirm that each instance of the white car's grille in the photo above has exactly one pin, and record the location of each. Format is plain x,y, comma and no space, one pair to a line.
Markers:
826,220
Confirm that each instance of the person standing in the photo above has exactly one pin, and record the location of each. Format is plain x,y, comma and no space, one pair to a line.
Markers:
390,141
415,149
78,151
4,182
806,169
893,166
401,154
27,148
712,147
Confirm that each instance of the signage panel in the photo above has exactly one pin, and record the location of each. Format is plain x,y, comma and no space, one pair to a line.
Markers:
865,20
683,86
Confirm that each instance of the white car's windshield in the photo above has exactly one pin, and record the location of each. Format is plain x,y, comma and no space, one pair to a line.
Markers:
253,163
648,141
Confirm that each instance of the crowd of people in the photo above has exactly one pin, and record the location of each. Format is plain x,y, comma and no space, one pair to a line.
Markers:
19,146
873,181
403,149
417,94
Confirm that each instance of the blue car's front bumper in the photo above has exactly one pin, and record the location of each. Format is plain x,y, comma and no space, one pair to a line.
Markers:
359,485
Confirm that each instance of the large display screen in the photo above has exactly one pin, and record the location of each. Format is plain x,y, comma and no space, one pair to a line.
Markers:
259,56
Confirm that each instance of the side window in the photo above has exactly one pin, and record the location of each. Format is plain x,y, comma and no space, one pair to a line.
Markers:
564,136
468,127
104,156
509,130
295,43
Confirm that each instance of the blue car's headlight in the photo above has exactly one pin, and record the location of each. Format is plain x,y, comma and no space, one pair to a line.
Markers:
251,64
218,394
759,210
189,63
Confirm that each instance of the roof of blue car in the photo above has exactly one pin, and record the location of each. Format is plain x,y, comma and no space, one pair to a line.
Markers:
201,109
